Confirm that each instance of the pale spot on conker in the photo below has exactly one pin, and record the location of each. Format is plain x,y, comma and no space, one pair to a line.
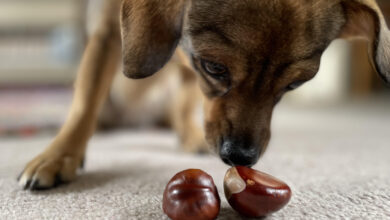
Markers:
233,182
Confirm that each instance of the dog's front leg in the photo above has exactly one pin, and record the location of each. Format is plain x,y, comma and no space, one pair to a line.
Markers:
60,161
187,114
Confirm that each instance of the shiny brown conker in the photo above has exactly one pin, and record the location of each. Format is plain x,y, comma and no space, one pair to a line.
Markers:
191,195
253,193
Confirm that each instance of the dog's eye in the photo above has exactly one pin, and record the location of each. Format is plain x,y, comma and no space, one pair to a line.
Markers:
294,85
215,70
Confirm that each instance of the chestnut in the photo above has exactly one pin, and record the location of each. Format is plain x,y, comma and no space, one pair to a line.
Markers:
253,193
191,195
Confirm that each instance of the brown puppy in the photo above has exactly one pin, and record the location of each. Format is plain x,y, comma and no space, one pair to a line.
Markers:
246,54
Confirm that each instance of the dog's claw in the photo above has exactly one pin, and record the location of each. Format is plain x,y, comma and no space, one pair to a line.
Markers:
58,180
19,176
34,185
27,185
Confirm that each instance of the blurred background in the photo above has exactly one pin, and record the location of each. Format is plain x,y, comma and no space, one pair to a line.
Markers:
41,42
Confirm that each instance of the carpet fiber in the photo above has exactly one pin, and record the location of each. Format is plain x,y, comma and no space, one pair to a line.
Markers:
335,159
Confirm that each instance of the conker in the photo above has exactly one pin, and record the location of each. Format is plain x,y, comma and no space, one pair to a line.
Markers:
253,193
191,195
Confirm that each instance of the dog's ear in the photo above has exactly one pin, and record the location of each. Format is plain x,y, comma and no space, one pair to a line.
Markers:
366,21
151,31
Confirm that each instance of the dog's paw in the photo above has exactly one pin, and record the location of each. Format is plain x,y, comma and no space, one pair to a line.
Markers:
48,171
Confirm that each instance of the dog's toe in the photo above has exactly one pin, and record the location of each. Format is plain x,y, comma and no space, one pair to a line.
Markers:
45,172
25,184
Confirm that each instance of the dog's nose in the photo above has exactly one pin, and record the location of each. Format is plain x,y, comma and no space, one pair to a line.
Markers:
238,153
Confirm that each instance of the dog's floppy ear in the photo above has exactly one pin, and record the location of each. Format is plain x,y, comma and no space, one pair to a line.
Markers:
366,21
151,31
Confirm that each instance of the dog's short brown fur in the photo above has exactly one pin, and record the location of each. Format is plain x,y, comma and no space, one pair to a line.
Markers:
246,55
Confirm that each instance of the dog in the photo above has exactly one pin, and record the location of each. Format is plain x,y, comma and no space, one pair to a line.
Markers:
245,55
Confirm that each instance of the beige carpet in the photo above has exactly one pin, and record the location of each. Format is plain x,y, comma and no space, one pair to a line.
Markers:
336,160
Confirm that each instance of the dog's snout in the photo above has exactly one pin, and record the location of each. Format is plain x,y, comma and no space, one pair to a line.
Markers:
238,153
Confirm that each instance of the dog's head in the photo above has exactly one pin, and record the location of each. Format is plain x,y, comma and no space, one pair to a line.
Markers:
248,53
